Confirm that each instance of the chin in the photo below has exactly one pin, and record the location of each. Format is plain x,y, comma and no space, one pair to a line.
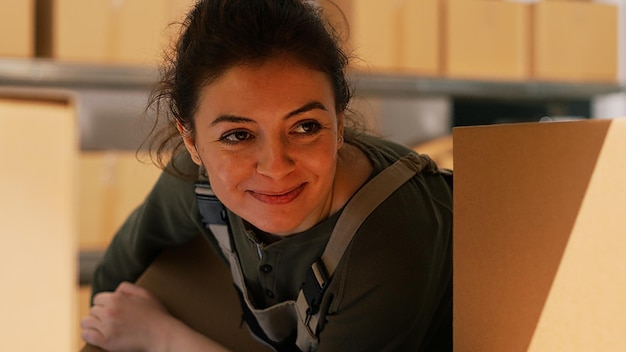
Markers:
282,229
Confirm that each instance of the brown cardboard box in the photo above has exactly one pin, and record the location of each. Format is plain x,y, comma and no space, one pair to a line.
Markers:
195,286
17,28
39,140
574,41
486,39
540,237
421,34
388,36
111,185
107,31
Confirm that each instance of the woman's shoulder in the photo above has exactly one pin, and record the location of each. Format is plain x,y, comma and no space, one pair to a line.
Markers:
381,152
354,169
177,181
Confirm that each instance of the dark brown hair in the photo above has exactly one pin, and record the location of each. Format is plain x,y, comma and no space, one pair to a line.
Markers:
220,34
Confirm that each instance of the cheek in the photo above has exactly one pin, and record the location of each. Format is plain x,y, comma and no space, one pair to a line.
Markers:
227,171
224,169
321,161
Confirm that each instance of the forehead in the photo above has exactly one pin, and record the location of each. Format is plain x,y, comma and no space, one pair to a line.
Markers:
275,80
280,67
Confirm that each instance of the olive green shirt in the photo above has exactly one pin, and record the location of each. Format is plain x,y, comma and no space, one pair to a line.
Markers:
390,292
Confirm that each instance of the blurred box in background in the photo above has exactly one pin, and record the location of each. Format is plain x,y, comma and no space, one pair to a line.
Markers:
391,36
108,31
486,39
112,184
17,28
574,41
421,37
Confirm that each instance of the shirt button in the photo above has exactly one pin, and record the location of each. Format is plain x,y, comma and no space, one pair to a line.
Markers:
266,268
269,293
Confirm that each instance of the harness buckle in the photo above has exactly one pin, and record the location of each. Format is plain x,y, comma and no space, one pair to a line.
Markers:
314,286
212,210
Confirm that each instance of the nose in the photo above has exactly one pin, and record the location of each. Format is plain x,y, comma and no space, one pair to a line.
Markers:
274,159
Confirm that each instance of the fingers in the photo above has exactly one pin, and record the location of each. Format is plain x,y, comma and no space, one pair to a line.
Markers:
112,312
102,298
132,289
128,318
90,330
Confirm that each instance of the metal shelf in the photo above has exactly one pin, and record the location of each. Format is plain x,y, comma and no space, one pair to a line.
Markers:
49,73
399,85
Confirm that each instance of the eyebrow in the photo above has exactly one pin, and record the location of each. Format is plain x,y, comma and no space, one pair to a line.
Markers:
240,119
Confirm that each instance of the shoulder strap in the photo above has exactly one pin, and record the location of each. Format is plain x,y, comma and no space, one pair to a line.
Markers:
370,196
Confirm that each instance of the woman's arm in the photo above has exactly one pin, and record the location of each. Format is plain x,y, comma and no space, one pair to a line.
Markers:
168,217
132,319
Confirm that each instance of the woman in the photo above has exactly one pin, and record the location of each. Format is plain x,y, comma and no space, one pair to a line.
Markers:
257,95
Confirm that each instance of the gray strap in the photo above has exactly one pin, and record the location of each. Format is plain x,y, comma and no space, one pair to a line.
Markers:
370,196
364,202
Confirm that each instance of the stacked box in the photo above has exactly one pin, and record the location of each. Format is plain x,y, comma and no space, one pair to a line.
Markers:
574,41
107,31
17,28
486,39
112,184
391,36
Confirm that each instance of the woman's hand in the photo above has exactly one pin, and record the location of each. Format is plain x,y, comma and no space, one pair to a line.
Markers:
129,319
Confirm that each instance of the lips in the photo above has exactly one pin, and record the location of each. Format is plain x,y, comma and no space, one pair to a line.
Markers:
278,198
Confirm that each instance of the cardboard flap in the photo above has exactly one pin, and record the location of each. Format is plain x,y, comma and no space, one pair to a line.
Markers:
533,231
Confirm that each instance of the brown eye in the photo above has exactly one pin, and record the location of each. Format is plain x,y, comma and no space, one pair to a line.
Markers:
308,127
235,137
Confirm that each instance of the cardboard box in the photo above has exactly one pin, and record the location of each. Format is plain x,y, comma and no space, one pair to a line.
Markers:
574,41
401,36
193,283
38,228
17,28
421,37
111,185
107,31
486,39
540,236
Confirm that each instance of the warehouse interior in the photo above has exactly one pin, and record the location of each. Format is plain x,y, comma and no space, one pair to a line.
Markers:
75,77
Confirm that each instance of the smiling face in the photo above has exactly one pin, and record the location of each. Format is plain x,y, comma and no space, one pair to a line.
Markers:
269,136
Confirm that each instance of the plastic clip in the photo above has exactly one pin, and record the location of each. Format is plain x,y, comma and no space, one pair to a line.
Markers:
314,286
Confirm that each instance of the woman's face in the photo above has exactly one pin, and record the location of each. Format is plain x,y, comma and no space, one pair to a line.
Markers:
268,136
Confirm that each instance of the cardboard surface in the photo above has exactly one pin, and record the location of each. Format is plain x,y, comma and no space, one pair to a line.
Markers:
39,140
397,36
586,308
486,39
17,28
574,41
105,31
111,185
195,285
378,45
537,237
421,37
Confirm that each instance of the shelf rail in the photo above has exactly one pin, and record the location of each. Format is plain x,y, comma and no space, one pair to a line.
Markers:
51,73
